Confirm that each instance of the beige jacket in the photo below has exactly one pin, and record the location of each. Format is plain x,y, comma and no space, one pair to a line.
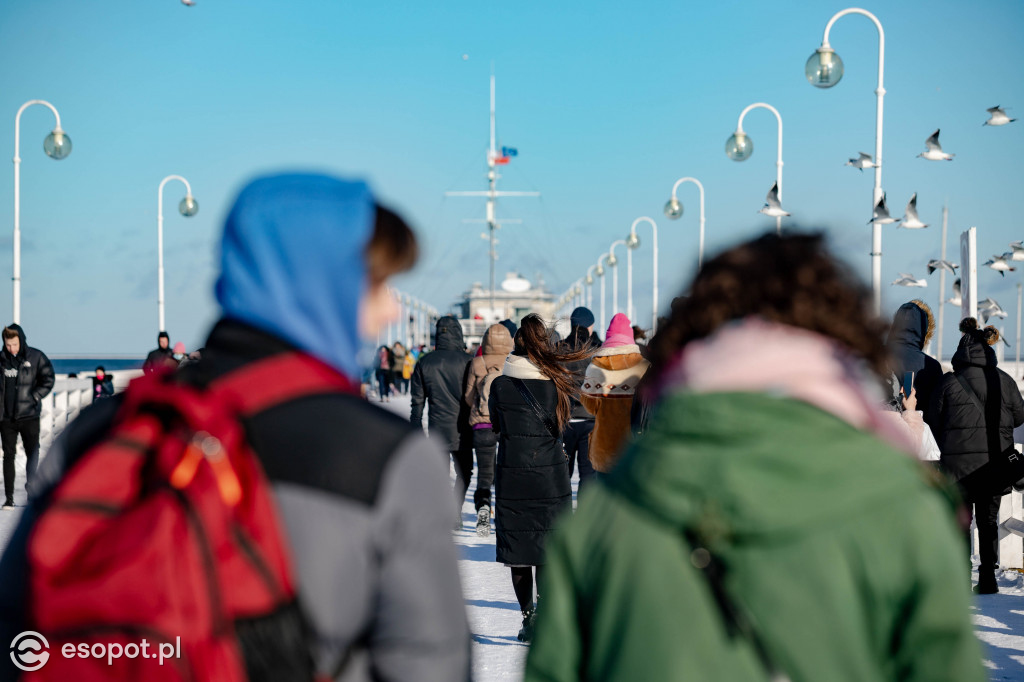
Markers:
497,344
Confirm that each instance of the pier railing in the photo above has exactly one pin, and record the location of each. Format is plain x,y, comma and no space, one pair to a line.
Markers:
61,406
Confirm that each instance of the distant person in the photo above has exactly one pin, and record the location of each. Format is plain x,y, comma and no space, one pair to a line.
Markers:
385,360
973,412
161,357
438,382
360,493
179,352
510,326
28,378
102,384
398,353
911,330
766,525
483,370
609,389
530,406
576,436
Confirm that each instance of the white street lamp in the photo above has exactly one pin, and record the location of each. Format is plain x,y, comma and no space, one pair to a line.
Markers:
590,286
599,271
633,241
613,263
824,69
57,145
739,147
674,211
187,207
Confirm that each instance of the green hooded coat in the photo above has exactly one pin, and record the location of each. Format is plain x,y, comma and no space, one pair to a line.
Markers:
846,559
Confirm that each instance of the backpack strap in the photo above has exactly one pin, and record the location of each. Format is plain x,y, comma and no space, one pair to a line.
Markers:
545,419
971,394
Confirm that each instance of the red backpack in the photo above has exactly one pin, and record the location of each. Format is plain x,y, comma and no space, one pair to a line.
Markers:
166,531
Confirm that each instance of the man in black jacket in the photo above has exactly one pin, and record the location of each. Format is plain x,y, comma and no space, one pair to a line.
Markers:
577,434
437,381
161,356
28,378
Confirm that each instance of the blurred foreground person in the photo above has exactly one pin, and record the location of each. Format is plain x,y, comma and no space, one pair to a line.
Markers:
973,413
359,493
530,406
766,525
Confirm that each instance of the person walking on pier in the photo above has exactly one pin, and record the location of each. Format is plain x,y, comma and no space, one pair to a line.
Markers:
305,261
767,524
28,378
438,382
530,406
581,423
483,370
160,357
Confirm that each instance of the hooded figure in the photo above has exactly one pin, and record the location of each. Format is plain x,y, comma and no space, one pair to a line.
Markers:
912,328
361,497
438,381
161,356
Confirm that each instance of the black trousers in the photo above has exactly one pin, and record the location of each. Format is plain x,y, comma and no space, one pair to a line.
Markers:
985,509
28,429
576,438
463,472
485,443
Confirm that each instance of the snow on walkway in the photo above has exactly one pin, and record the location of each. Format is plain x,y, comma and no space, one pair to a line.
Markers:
494,617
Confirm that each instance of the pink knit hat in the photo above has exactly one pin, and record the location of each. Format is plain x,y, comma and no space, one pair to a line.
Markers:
179,347
620,332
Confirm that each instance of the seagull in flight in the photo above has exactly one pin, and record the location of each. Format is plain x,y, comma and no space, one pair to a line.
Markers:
773,207
957,299
989,308
188,3
864,161
1018,250
910,219
999,264
997,117
934,265
934,149
881,214
906,280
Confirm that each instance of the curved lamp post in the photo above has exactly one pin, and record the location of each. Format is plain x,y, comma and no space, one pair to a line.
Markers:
824,69
599,271
188,207
613,263
57,145
590,286
739,147
633,241
674,211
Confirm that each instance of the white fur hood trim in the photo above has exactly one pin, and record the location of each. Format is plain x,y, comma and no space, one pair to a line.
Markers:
617,350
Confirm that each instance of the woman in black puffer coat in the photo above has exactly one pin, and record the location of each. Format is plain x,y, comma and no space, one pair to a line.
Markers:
968,438
531,481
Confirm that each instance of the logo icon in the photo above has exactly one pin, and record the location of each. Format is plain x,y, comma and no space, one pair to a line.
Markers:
29,651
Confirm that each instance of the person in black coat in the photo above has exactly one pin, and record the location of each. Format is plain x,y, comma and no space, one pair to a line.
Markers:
912,328
102,384
438,381
531,482
581,424
28,378
161,356
968,438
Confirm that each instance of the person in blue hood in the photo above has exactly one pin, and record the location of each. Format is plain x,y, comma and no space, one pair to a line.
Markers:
363,497
911,330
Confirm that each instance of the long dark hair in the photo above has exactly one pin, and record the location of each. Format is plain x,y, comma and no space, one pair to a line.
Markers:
533,339
791,280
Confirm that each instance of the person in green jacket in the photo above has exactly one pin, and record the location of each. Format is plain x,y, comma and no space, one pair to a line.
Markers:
767,524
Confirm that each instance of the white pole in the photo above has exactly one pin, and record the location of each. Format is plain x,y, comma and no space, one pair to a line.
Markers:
654,302
700,245
942,284
876,229
160,244
629,284
1016,361
615,275
969,273
778,160
16,305
604,323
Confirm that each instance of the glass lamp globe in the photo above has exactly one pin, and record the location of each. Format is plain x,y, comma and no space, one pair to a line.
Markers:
739,146
590,280
673,209
612,260
599,270
57,144
632,241
188,207
824,68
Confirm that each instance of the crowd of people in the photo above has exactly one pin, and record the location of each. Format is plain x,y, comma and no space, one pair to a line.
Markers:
755,497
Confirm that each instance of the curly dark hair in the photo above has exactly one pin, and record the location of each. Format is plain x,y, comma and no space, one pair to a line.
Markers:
791,280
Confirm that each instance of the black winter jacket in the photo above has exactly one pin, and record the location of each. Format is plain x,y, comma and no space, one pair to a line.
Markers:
35,378
531,480
579,338
158,358
910,328
966,437
438,380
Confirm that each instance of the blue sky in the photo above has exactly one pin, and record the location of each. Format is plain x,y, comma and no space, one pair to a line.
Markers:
608,104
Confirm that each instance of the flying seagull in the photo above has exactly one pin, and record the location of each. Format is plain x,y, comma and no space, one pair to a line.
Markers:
934,265
864,161
957,300
881,214
997,117
934,149
772,206
906,280
1018,250
188,3
999,264
989,308
910,219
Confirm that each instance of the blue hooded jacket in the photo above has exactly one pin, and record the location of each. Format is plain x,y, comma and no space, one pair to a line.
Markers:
292,262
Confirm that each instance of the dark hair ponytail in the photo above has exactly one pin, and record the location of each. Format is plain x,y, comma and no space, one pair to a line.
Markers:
534,340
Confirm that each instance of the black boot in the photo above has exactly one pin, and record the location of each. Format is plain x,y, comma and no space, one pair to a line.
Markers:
986,582
529,620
